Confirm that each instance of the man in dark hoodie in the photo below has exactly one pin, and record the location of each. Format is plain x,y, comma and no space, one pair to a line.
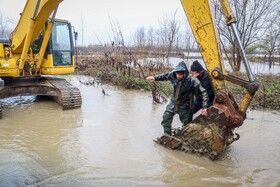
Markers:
180,102
202,75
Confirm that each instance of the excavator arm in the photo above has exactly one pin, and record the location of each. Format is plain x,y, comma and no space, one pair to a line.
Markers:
32,20
211,135
202,22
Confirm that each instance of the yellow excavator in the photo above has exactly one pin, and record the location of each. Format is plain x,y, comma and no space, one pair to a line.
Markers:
210,136
38,48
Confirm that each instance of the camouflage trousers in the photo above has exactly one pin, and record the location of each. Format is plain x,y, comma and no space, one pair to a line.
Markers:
167,118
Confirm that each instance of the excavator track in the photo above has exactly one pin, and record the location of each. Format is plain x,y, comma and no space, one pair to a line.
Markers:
61,91
69,96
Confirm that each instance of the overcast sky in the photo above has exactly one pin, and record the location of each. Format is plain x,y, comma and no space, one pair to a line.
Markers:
93,15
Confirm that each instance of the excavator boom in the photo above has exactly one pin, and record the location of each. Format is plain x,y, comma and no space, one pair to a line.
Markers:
203,25
32,20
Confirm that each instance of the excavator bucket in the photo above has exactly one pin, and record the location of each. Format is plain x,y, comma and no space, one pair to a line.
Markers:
207,135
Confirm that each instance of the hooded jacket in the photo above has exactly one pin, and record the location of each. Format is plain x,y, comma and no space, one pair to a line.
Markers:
205,82
188,86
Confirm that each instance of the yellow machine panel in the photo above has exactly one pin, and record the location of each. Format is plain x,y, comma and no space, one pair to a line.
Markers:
203,25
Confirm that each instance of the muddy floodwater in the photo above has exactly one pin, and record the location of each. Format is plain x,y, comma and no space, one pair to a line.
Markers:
109,142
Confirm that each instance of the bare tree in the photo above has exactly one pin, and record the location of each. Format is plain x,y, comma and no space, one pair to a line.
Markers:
251,16
169,28
5,30
150,37
117,33
140,37
189,43
272,37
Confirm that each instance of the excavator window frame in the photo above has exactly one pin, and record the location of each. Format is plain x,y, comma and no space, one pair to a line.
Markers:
61,56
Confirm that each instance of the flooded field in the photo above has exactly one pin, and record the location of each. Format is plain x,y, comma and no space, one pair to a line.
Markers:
256,67
109,142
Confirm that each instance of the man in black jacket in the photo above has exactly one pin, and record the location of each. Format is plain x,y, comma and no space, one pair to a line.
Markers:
202,75
180,102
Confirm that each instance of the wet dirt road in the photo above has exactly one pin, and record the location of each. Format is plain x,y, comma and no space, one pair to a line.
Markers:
109,142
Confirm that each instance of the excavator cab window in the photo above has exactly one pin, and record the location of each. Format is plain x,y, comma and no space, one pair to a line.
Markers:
36,45
61,44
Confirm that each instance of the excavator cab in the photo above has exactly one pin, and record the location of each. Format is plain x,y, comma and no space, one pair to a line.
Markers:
60,49
61,44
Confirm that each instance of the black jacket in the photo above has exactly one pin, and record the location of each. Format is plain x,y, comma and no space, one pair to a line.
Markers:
205,82
188,86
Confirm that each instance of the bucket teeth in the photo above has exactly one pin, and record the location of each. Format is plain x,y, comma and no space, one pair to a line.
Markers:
169,142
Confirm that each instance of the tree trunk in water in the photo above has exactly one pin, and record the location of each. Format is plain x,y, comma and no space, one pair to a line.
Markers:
270,60
238,61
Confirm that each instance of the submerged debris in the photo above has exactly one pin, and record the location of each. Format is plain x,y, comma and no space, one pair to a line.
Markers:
93,82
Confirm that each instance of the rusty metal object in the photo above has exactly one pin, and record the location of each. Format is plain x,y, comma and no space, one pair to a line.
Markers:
169,142
224,113
208,136
61,91
252,87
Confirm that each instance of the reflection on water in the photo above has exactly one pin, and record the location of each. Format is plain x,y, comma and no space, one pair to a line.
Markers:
108,142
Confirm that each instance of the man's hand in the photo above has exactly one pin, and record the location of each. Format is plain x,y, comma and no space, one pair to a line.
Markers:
151,78
204,112
195,74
